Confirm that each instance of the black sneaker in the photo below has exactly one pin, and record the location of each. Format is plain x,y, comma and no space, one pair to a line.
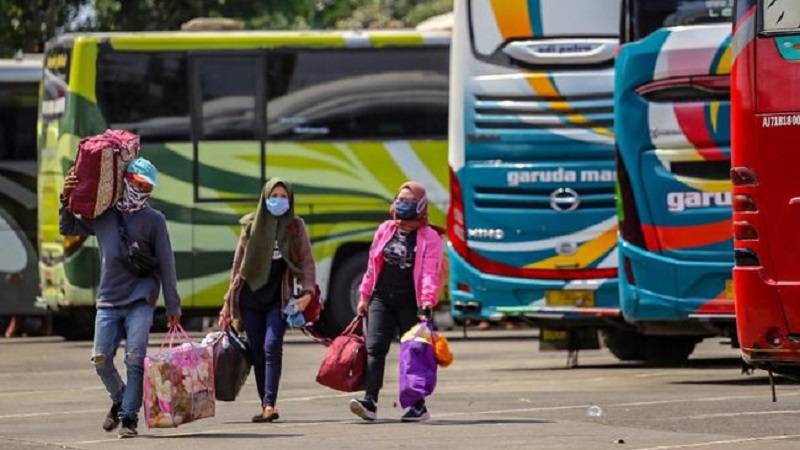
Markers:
111,422
416,414
128,428
365,409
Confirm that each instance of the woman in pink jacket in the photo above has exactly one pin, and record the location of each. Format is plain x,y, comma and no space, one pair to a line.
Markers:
402,281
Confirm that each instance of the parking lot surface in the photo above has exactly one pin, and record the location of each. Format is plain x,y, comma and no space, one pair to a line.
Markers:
500,393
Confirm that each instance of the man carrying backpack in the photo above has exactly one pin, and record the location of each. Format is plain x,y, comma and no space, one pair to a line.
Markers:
136,260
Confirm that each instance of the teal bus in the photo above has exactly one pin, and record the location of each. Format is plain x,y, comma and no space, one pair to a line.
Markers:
532,220
672,115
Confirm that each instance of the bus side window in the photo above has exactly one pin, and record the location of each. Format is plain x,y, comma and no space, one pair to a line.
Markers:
145,93
18,102
781,16
358,94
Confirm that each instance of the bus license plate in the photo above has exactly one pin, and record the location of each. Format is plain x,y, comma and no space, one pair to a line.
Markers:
579,298
729,289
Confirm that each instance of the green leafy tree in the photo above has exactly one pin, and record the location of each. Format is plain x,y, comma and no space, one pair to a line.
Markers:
392,13
134,15
27,24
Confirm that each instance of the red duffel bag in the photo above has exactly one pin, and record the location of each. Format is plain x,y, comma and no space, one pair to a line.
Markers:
345,361
100,167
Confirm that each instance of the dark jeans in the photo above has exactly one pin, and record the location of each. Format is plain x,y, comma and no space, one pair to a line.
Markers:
265,330
388,313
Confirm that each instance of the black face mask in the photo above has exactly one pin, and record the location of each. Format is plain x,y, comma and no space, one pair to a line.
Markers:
405,210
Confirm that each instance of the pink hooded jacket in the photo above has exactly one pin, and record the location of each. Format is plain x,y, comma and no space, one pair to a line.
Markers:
427,263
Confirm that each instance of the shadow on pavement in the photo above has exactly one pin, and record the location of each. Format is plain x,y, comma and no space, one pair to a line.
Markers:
452,422
232,435
714,363
467,422
706,363
744,381
289,422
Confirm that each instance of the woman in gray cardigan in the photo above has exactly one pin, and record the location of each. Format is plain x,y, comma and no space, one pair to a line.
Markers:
273,252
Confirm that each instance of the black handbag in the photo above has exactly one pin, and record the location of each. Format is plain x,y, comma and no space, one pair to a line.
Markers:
231,365
132,257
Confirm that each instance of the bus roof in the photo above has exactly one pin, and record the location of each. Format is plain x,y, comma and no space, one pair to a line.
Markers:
23,70
243,40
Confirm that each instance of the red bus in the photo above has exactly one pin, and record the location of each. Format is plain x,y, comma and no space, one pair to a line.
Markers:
765,90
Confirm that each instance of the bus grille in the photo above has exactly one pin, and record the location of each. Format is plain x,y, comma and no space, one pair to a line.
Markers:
579,112
594,198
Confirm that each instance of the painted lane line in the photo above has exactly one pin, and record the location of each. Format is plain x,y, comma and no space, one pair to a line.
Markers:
738,414
37,443
92,411
50,391
56,413
724,442
612,405
174,435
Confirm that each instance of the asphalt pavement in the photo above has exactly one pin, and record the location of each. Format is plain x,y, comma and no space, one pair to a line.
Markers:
500,393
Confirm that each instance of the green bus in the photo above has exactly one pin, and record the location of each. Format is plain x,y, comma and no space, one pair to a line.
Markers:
345,116
19,93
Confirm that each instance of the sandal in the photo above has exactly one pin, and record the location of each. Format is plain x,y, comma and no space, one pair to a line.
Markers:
269,414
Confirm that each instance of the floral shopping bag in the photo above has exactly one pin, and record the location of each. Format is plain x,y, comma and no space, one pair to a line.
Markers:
178,382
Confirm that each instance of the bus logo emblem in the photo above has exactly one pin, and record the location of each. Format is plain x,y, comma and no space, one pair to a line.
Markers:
564,199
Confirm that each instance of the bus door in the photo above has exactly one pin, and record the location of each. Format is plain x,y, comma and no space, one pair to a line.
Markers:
228,130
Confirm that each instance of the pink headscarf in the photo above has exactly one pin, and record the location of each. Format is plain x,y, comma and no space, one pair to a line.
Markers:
422,205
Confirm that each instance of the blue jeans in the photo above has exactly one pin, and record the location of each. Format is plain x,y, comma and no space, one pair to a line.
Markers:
265,330
111,325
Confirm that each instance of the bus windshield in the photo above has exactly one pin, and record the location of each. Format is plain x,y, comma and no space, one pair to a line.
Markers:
650,15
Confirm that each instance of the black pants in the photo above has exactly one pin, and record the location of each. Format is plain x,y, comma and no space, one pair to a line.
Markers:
389,313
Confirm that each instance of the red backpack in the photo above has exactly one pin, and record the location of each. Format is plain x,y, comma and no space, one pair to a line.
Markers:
345,361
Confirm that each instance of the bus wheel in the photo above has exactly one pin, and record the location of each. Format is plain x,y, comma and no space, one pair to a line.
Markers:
624,345
341,305
669,350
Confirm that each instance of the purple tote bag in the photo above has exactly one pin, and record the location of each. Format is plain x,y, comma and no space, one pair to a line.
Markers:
417,369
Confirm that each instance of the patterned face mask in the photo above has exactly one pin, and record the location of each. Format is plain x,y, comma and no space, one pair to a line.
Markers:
133,199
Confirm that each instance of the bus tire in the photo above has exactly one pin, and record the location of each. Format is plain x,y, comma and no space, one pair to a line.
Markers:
624,345
669,350
341,305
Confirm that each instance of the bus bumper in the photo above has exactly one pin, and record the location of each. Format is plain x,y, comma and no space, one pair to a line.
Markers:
479,296
672,290
769,338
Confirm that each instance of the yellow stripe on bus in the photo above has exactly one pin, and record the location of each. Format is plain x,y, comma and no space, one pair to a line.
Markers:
543,86
512,18
585,255
218,41
82,73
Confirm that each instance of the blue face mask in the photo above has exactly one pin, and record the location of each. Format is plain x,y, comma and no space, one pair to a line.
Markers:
277,206
405,210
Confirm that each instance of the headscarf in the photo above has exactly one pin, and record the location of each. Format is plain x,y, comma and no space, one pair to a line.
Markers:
133,198
265,230
422,206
